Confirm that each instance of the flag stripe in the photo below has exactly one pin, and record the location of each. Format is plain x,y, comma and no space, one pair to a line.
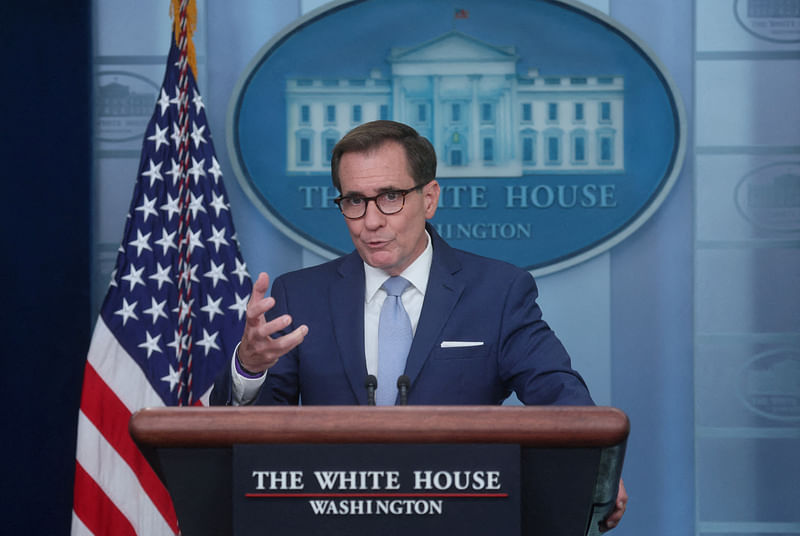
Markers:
96,511
78,527
119,371
117,480
102,407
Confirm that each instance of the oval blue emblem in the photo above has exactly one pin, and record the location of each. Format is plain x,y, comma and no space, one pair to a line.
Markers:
123,105
769,384
768,196
777,21
558,134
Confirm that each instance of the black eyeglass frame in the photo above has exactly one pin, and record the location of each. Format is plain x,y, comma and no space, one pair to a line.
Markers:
374,199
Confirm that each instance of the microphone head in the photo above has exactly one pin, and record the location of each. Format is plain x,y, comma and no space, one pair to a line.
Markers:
372,382
403,381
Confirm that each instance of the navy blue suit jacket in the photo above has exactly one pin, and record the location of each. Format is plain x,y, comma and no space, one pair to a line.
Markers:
469,298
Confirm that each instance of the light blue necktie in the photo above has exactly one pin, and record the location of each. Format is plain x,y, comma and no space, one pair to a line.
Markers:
394,341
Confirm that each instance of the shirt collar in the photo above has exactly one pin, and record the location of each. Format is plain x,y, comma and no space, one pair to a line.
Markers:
417,273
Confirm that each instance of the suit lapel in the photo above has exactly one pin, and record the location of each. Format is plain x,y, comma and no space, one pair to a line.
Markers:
441,296
347,317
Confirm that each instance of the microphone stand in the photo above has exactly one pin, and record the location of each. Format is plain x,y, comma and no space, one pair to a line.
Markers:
371,384
403,383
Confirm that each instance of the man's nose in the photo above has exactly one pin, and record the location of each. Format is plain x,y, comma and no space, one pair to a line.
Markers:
373,217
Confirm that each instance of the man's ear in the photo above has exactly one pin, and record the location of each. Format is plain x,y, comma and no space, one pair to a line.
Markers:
431,193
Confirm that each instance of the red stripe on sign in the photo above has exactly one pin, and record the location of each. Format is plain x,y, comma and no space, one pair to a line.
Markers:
110,416
378,495
95,510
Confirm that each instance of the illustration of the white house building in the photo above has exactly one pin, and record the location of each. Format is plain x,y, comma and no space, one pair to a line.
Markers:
466,96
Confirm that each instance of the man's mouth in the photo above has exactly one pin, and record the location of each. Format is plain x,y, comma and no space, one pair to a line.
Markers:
376,243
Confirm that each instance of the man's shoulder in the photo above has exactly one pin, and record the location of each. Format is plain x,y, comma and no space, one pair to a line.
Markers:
320,272
469,261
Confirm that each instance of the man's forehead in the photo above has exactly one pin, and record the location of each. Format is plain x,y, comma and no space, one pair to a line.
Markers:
377,169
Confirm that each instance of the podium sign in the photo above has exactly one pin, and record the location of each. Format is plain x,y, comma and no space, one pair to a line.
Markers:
343,489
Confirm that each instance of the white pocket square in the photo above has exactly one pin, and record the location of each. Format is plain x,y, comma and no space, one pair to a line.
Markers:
460,344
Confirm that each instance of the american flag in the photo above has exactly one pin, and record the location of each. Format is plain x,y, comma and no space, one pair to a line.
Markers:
172,315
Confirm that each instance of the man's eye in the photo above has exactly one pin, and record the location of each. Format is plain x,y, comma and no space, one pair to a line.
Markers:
391,196
354,201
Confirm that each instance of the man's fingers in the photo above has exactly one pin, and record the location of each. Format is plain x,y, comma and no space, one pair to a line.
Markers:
259,287
285,343
275,325
619,509
265,350
272,327
257,308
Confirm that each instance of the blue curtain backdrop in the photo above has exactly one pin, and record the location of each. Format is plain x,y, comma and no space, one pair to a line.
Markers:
46,315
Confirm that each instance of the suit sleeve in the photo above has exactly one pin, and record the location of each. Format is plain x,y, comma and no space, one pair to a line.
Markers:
281,386
532,360
222,393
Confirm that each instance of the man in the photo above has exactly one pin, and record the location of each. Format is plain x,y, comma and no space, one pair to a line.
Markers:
477,331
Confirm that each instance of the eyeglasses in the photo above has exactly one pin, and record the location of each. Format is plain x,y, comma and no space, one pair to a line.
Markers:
354,207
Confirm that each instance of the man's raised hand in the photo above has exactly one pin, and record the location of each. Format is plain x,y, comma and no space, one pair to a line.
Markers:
259,350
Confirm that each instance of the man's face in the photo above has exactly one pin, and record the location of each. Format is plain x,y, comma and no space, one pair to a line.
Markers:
391,242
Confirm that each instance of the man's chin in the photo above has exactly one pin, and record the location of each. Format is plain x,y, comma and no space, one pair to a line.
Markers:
378,259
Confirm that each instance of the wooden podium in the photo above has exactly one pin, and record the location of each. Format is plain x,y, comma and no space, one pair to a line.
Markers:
571,457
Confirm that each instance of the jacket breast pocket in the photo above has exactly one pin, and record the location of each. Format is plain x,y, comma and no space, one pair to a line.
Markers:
461,352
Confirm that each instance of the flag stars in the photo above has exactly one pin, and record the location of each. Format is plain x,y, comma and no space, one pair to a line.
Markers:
197,171
176,100
211,308
218,238
159,137
184,309
167,240
179,182
176,136
127,311
151,344
171,207
196,204
162,276
147,207
195,240
174,171
179,343
241,270
197,135
241,305
163,101
209,341
215,170
191,274
134,277
156,310
216,273
141,242
173,378
218,203
154,173
197,100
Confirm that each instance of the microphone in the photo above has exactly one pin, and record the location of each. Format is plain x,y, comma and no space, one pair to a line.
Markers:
403,383
371,384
